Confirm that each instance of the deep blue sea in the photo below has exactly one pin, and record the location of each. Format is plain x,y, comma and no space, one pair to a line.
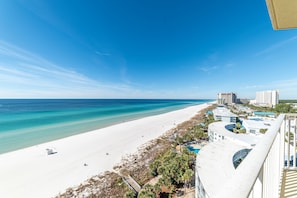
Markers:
27,122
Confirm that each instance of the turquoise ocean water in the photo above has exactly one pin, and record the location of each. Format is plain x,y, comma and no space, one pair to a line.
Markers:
27,122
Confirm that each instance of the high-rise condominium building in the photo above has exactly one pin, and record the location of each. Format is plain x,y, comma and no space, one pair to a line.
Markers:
227,98
267,98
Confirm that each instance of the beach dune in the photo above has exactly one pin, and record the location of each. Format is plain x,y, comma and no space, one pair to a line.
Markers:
31,172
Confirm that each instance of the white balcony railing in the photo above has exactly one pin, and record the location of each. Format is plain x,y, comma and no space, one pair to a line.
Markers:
260,173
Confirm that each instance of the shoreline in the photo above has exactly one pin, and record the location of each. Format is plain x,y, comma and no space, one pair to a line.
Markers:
30,172
13,136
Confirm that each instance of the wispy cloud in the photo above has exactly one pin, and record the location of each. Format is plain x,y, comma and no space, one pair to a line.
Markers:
275,84
287,83
276,46
229,65
102,53
208,69
24,74
210,63
254,86
287,88
213,57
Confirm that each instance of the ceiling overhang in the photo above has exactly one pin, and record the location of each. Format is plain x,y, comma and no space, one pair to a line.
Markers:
283,13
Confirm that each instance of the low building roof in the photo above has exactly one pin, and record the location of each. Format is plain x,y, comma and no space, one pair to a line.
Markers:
246,139
214,164
223,112
257,124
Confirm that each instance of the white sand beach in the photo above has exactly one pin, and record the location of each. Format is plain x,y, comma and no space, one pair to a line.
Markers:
30,172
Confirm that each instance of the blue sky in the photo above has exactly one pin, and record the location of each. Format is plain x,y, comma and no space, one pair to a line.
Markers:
143,49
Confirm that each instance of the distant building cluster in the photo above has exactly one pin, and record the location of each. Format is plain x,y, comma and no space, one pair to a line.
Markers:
267,98
227,98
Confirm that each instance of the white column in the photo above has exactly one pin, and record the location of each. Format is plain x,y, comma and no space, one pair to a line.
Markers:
258,186
284,137
294,145
282,144
288,137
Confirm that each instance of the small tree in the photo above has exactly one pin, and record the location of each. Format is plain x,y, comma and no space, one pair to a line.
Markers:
242,130
179,141
284,108
157,188
188,137
130,194
235,130
199,134
187,176
154,167
263,131
147,192
238,125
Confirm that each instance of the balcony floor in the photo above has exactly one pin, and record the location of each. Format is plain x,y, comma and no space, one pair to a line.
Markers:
289,184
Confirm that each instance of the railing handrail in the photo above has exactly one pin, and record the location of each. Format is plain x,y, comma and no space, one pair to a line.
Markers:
242,182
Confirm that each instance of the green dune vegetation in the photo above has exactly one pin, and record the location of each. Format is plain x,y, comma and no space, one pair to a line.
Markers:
279,108
173,169
163,168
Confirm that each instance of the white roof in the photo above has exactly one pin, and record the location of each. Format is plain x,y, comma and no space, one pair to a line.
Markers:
258,124
223,112
214,164
247,139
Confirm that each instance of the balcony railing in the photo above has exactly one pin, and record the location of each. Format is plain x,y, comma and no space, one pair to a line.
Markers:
260,174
